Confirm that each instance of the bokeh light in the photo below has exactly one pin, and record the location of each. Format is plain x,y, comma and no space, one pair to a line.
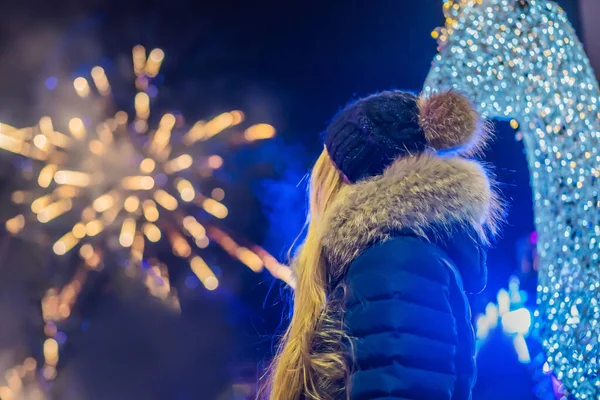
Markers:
118,185
523,60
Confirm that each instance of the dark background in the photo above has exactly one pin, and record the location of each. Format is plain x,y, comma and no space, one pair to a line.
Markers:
292,64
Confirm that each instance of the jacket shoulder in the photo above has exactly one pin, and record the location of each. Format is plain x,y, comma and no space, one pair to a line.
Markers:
398,264
403,273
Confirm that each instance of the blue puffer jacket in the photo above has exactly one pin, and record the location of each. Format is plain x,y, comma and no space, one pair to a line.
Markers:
406,246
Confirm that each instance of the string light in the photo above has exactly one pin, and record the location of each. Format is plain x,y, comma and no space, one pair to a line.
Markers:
522,60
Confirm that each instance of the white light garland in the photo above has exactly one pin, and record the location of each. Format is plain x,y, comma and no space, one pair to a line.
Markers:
522,59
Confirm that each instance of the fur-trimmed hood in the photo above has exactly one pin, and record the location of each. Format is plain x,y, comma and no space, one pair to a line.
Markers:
434,197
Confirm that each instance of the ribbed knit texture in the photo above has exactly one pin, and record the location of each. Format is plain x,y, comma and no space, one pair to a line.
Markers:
369,134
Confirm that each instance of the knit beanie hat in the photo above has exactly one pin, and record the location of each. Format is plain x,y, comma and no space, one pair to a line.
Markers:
369,134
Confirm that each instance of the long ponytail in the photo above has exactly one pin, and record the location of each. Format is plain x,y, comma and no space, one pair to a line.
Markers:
310,363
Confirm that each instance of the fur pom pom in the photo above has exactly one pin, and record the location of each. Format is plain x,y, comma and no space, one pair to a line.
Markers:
451,123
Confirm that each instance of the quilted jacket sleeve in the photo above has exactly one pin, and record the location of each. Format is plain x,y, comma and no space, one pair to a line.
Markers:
399,315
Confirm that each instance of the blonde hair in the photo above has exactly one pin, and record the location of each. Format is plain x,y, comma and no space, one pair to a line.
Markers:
310,363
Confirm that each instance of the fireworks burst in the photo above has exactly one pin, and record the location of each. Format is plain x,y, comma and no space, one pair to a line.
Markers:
113,184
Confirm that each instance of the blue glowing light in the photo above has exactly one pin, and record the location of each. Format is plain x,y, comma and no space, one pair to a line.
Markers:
61,337
51,83
191,282
152,91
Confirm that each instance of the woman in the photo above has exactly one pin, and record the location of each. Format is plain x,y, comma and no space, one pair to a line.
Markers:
396,234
